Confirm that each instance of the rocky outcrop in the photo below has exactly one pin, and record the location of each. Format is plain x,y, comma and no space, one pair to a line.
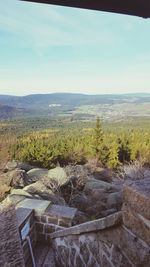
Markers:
72,185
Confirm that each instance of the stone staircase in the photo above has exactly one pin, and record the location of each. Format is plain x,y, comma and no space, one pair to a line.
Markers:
120,239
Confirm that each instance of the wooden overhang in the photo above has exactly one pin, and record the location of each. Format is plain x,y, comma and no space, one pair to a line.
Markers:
139,8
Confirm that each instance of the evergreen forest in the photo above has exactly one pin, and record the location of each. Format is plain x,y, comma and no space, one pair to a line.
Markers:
110,144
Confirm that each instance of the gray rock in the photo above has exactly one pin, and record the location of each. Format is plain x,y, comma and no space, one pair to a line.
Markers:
58,175
37,174
15,178
21,192
40,190
103,174
36,188
96,194
114,200
96,184
19,178
80,201
96,209
25,166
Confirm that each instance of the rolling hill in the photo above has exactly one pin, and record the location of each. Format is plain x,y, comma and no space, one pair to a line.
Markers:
72,104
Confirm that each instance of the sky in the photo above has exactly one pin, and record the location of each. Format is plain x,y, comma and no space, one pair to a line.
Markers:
47,48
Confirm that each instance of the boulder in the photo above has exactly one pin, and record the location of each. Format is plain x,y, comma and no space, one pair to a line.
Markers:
36,187
25,166
103,174
96,184
39,189
86,205
19,178
55,199
58,175
118,184
80,201
96,194
114,200
37,174
96,209
15,178
21,192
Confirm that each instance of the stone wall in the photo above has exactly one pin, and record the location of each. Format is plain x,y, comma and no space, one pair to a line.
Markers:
89,245
88,250
110,241
11,254
136,209
44,228
115,246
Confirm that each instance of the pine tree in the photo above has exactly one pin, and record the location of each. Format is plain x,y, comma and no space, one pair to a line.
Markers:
113,161
98,138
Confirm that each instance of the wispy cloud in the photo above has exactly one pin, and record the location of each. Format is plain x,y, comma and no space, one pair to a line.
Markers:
43,25
52,48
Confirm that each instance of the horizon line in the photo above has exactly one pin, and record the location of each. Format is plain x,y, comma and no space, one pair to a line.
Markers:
77,93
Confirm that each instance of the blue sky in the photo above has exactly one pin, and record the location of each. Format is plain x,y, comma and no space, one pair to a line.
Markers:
46,48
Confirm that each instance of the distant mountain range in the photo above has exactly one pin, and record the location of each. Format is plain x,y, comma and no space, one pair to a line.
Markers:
40,104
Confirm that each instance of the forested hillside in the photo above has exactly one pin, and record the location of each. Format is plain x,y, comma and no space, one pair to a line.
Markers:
46,130
110,146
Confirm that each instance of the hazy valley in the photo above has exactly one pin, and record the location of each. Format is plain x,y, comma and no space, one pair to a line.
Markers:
75,106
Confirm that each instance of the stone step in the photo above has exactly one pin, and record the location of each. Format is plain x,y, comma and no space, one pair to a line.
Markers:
39,206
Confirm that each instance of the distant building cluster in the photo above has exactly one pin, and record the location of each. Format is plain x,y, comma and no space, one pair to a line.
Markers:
54,105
